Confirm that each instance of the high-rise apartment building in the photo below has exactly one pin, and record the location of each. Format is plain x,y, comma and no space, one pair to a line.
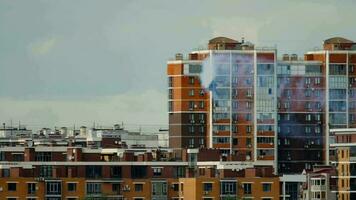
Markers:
338,59
241,100
225,97
301,128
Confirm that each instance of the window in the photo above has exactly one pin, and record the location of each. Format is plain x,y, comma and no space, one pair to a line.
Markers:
317,129
208,187
159,188
307,81
317,80
228,188
138,187
175,187
317,93
191,105
308,117
191,80
317,117
18,157
248,129
247,188
5,172
93,171
116,187
235,141
72,187
170,106
179,172
53,188
116,172
248,141
266,187
201,104
93,188
191,129
138,172
170,82
31,188
43,156
249,93
248,117
248,105
45,171
191,93
170,94
11,187
307,129
157,171
202,129
286,105
308,93
191,142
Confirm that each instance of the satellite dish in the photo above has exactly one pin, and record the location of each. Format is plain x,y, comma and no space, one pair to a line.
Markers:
248,158
29,143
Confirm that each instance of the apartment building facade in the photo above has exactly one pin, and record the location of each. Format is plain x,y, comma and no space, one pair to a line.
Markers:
232,88
345,162
59,172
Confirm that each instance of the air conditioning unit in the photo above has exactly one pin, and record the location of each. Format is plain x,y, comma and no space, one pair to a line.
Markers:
206,192
249,146
126,188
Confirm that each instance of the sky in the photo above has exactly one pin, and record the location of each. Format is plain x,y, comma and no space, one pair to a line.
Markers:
66,63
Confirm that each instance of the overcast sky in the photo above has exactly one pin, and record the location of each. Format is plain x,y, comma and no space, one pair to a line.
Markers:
76,62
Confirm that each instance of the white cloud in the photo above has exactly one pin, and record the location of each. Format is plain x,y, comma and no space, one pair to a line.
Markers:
43,47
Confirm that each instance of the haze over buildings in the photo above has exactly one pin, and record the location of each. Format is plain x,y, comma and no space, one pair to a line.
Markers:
63,64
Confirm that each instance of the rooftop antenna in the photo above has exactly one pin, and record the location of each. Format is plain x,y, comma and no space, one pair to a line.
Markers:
11,127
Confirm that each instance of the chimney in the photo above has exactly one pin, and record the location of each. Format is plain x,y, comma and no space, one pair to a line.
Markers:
179,56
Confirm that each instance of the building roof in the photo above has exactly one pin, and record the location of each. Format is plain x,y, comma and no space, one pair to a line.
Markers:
222,40
337,40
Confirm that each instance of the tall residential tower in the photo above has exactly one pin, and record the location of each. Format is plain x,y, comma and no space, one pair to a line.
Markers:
225,97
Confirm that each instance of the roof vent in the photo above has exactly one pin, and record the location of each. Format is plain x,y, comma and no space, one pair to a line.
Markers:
294,57
286,57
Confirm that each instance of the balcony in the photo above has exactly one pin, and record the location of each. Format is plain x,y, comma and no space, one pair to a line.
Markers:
318,188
